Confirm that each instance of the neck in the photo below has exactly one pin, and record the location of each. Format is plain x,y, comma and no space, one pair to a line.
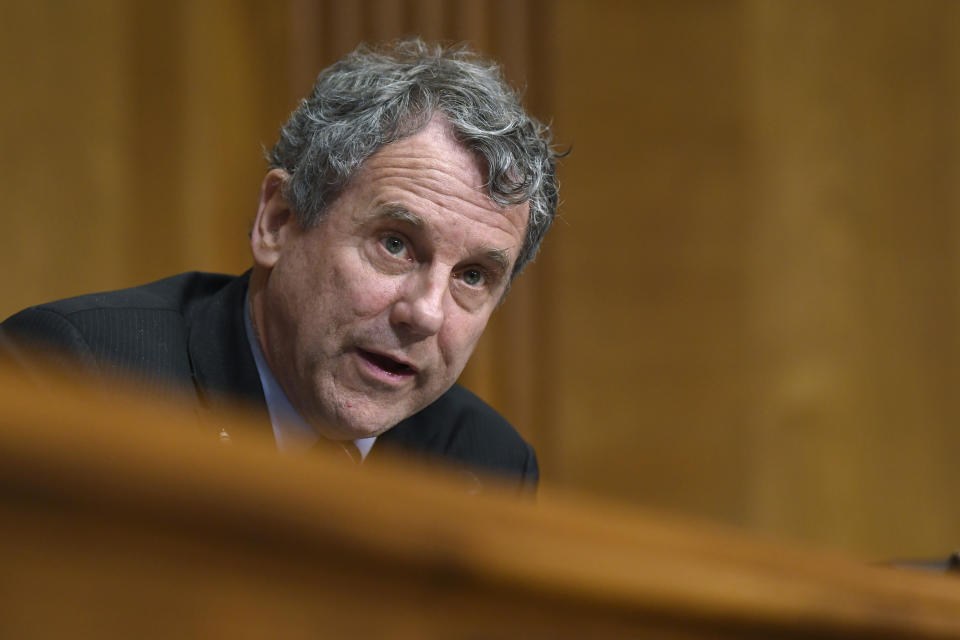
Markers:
258,281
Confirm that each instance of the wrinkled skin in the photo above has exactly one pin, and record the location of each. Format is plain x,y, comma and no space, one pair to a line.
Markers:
371,315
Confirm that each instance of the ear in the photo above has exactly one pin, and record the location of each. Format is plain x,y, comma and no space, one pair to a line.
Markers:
274,222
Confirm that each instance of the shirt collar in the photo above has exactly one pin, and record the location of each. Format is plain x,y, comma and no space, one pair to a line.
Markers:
290,430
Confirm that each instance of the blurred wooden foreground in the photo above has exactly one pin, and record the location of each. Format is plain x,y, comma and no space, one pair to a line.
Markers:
119,517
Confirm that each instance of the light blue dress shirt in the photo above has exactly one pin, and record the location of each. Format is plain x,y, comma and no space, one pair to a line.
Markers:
290,430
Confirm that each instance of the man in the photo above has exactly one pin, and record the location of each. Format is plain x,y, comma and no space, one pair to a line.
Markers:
403,196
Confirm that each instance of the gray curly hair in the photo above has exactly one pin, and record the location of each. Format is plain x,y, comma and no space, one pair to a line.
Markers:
373,97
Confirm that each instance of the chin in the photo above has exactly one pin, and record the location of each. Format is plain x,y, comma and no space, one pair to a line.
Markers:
358,415
363,424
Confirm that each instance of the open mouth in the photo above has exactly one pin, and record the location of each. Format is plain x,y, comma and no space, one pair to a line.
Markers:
387,363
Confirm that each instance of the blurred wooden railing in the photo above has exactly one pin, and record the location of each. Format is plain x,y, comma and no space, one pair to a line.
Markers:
115,522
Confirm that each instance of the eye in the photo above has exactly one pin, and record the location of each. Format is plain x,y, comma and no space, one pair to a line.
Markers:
473,277
394,246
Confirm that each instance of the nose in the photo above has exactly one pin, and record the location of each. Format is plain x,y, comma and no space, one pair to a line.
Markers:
418,309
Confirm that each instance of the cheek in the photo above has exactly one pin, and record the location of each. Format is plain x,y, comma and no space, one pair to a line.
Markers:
362,292
459,336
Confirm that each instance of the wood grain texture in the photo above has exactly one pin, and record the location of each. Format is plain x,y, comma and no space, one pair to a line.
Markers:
854,306
129,519
652,278
759,285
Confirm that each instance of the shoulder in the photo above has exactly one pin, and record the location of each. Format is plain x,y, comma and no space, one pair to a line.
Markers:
139,328
462,428
175,293
98,316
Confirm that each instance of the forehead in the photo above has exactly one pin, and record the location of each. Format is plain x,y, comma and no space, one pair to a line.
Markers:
436,178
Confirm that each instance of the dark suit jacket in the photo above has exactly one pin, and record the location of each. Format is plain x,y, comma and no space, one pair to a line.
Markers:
186,333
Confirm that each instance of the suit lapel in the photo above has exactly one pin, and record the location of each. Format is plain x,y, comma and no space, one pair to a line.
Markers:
225,374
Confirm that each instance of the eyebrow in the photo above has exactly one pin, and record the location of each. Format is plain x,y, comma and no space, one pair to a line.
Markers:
400,213
500,257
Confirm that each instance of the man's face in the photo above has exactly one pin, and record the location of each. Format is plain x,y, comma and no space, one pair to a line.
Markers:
371,315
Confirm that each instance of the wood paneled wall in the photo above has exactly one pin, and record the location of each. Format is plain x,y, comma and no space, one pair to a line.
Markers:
758,271
749,307
853,306
651,264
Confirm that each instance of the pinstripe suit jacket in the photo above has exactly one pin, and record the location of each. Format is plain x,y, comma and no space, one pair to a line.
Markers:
185,335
